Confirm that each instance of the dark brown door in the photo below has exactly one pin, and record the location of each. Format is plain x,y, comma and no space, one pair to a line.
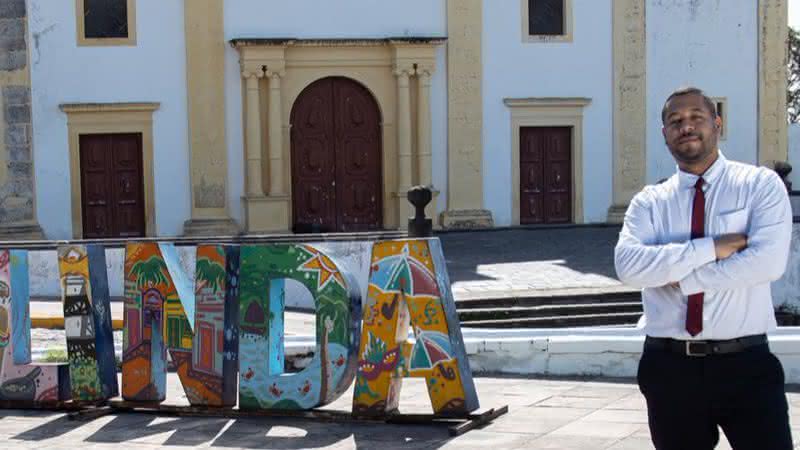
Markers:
545,175
336,158
112,188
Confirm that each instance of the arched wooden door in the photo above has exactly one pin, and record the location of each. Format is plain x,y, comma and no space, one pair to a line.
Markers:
336,158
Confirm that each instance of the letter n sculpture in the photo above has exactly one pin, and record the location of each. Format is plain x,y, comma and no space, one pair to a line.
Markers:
408,283
87,323
195,323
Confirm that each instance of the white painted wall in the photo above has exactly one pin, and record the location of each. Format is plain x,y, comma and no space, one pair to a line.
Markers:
711,44
152,71
582,68
323,19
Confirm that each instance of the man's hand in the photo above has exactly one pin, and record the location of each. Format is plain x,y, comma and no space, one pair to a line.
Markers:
728,244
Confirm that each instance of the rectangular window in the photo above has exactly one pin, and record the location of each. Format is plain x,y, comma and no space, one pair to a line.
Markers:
106,22
105,19
546,20
546,17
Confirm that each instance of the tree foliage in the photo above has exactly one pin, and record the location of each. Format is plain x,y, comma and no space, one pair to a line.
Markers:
793,87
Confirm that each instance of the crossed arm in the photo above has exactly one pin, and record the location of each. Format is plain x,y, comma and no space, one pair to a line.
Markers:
729,261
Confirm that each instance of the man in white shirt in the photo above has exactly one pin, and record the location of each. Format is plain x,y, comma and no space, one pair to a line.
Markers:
704,246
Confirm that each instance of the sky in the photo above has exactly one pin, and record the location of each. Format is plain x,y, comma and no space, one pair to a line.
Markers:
794,13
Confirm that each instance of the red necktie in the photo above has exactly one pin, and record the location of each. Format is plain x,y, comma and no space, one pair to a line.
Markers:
694,309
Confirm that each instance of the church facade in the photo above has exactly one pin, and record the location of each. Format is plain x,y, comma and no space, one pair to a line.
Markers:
130,118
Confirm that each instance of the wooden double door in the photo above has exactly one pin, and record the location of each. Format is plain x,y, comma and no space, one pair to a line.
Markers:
545,169
112,187
336,158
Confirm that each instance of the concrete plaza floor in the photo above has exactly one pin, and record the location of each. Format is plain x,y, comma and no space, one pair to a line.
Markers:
543,414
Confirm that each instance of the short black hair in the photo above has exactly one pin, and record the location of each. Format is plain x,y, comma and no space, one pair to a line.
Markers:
690,90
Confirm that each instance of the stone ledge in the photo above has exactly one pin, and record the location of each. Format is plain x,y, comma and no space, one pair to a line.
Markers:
467,219
21,232
211,227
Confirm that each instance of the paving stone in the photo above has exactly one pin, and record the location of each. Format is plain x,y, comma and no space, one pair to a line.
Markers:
634,401
569,443
605,430
576,402
618,416
539,259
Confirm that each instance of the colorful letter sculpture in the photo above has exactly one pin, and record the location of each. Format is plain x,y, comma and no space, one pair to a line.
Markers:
264,271
87,323
21,381
409,276
197,324
226,326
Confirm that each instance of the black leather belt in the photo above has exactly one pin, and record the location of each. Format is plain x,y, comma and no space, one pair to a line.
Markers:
704,348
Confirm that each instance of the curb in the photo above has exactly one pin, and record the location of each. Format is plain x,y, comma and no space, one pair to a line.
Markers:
57,323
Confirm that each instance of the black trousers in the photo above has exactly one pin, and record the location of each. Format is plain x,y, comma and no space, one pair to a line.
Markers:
688,397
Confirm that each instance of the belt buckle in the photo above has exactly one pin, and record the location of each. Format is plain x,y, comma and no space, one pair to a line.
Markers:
705,351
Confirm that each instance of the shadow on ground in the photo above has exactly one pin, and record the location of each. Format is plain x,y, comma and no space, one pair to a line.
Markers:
587,250
278,433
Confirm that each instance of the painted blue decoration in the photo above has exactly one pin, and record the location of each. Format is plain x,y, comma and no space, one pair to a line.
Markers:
103,329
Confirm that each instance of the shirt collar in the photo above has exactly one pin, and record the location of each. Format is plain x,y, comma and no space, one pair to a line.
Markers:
688,180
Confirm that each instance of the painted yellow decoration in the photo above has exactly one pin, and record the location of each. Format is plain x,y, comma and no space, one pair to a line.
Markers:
406,283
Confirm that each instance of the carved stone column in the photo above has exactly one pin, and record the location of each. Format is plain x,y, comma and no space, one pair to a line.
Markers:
403,130
404,150
425,176
253,134
276,183
630,91
266,202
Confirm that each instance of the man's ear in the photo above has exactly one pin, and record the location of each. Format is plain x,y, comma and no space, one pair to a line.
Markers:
664,132
718,122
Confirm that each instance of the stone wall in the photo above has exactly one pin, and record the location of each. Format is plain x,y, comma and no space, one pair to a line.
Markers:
17,214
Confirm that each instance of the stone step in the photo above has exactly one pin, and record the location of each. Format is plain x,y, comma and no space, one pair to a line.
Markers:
585,320
548,300
478,314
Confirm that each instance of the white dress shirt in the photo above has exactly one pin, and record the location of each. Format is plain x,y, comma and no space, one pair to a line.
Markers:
655,249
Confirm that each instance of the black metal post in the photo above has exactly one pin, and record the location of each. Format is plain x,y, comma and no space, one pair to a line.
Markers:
419,226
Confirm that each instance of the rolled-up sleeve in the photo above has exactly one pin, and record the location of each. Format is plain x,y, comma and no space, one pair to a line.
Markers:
641,262
764,259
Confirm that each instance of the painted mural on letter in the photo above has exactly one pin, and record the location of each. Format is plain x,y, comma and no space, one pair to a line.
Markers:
406,282
20,380
87,322
264,269
160,301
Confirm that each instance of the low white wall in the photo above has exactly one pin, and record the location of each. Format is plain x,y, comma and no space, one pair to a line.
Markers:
786,291
609,352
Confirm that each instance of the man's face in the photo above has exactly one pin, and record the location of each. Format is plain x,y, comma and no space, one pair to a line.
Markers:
690,130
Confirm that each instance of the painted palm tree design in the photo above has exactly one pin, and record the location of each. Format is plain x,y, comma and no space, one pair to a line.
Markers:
209,274
150,272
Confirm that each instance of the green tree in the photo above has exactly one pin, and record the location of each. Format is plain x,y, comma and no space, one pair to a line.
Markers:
152,271
793,85
210,273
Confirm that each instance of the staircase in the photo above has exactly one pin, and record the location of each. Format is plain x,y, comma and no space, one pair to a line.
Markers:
598,309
